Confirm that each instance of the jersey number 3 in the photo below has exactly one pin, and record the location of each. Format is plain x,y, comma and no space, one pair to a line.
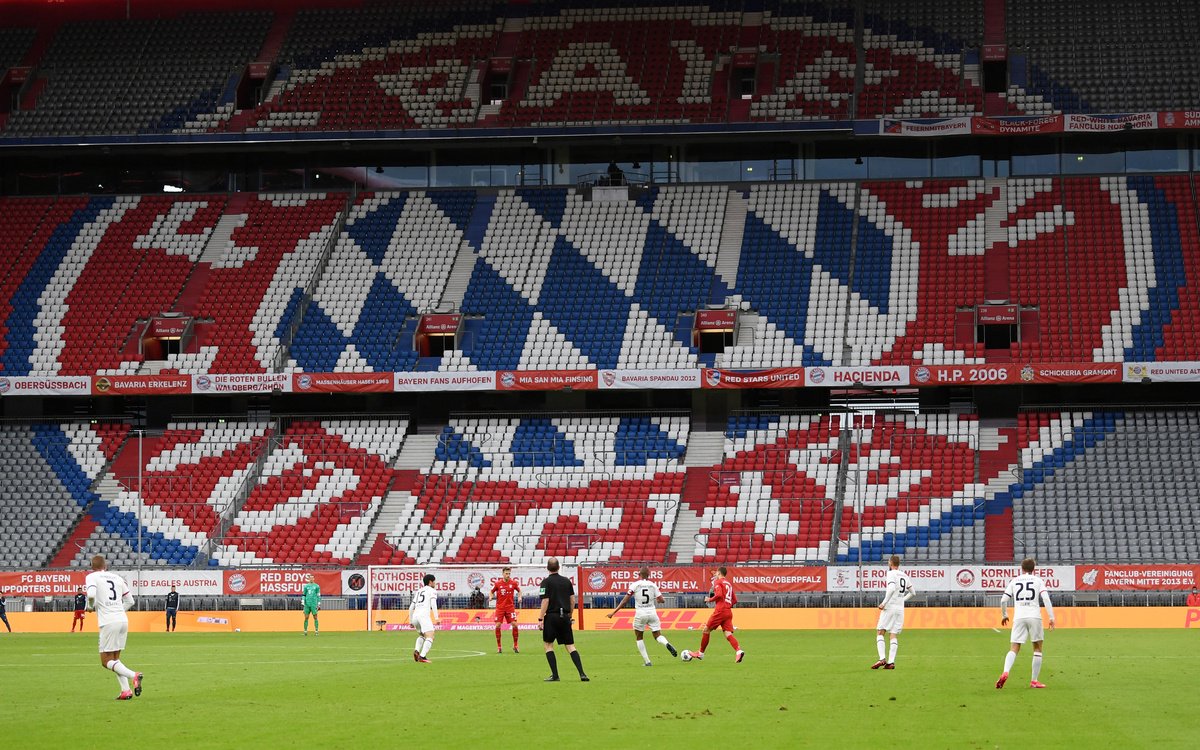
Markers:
113,588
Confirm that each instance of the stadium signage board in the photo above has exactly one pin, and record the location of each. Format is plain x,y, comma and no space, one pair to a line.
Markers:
716,320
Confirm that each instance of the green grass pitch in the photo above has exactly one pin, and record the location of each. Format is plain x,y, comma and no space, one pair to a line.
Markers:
1114,689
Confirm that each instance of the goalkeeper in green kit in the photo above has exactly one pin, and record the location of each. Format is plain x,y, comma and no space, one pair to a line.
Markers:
312,603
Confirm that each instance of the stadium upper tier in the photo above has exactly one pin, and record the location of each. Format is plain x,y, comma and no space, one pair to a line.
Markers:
488,64
1107,485
821,274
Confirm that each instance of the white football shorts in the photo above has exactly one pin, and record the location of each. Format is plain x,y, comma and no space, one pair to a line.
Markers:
1027,629
648,621
113,636
891,620
423,623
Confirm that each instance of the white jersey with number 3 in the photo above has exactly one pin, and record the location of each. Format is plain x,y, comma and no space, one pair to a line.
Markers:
1026,591
109,592
645,597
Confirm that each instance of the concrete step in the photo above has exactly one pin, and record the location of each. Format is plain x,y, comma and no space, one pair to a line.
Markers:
705,449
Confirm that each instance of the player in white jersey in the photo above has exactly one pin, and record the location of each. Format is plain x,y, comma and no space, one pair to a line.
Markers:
1029,592
891,613
645,596
108,596
423,614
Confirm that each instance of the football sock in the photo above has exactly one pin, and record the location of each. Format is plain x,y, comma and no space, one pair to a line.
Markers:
1009,660
419,644
497,636
1037,665
733,642
642,650
425,648
662,639
316,625
703,643
892,653
578,662
305,624
123,670
123,681
880,647
515,636
553,663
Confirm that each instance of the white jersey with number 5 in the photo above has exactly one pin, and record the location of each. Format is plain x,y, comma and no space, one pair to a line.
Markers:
109,592
1026,591
645,597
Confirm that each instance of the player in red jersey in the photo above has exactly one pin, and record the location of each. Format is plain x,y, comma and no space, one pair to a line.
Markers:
506,592
722,616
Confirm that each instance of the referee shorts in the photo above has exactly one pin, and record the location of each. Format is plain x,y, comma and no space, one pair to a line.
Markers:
558,628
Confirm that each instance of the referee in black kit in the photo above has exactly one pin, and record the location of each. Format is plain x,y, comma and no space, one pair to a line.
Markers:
558,606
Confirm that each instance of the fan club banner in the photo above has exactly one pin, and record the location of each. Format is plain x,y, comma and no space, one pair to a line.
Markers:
1032,125
619,580
590,380
1003,374
343,382
776,377
280,582
1179,372
455,580
248,383
546,380
657,379
975,578
1136,577
445,381
846,377
21,385
141,385
745,579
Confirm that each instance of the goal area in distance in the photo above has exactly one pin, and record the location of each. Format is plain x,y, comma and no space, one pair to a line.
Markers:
390,588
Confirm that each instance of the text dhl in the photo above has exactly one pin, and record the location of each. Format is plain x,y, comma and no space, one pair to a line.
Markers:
671,620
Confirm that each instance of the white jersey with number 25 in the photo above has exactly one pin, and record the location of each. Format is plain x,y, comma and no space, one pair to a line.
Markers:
1026,591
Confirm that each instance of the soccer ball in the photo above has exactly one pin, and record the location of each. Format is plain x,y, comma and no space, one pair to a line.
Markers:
685,655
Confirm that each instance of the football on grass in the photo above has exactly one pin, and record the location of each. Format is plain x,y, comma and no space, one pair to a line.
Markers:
685,655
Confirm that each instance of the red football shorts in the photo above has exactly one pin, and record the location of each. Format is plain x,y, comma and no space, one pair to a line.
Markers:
506,616
721,620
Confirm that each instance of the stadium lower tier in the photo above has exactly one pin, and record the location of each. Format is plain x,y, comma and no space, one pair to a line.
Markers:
933,272
1107,485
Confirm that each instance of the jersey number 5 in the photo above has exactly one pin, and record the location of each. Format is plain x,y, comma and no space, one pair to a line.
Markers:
644,595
